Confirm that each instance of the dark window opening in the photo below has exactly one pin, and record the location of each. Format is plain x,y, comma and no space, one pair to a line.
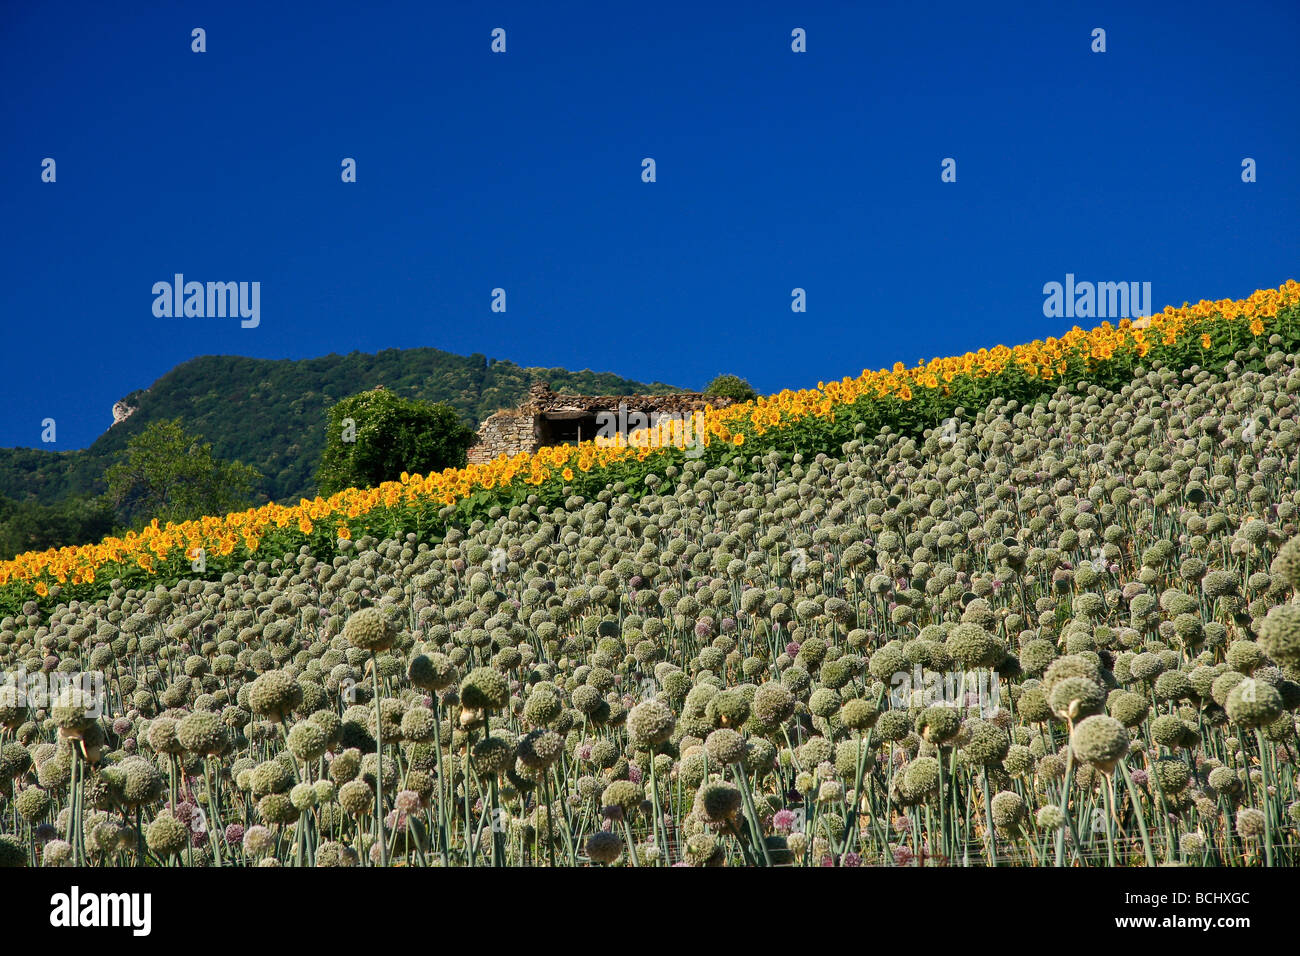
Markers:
568,431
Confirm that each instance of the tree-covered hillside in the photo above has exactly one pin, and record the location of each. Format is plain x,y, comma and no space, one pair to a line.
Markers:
271,413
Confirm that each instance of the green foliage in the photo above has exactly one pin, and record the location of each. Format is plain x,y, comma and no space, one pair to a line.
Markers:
272,413
374,436
32,526
167,473
731,386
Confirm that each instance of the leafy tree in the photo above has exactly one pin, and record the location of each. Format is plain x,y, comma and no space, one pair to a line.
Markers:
731,386
166,473
374,436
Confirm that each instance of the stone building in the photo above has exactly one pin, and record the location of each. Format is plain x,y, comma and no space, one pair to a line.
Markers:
551,418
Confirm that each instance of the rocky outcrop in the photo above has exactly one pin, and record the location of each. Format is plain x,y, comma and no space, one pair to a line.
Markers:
126,407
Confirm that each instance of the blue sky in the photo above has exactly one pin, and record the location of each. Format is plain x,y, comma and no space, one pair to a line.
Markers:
522,171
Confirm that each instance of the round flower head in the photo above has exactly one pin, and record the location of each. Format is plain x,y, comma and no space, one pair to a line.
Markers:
1223,780
773,705
539,749
649,724
1253,703
307,741
1008,810
326,792
1250,822
73,711
1128,708
163,737
859,714
604,847
484,688
345,766
433,672
370,630
921,776
13,707
303,796
142,782
493,755
419,725
356,798
717,802
625,795
974,647
258,841
203,733
1100,741
57,853
1279,634
1077,697
12,851
939,724
166,835
987,745
333,854
1244,656
725,746
1286,565
32,804
273,695
277,808
1050,817
542,707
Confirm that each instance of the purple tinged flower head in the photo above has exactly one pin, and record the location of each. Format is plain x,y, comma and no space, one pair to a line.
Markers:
792,648
851,859
634,773
783,821
235,834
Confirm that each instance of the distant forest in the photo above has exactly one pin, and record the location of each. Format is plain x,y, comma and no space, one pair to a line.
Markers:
268,413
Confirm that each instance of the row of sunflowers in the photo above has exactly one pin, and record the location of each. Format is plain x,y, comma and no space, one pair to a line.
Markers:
1208,333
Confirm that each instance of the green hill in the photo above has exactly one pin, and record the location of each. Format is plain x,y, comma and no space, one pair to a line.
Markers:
270,413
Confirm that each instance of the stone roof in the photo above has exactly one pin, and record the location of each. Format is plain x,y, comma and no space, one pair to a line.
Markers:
542,401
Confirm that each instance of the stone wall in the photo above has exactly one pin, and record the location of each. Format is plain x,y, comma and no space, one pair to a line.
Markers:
505,433
516,430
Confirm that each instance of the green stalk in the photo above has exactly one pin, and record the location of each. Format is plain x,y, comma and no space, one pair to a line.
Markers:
1137,807
379,772
1268,813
